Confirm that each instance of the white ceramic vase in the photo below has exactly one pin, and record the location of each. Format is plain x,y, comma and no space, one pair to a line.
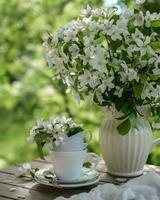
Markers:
125,156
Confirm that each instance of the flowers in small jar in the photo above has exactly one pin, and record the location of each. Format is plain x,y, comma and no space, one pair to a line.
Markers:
112,58
53,131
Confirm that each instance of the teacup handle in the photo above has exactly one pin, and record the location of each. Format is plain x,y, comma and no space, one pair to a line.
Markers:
89,141
94,162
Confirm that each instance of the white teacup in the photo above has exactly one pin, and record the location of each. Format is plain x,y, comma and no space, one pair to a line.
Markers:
68,165
73,143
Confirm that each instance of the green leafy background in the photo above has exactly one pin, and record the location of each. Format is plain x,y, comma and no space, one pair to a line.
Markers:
27,88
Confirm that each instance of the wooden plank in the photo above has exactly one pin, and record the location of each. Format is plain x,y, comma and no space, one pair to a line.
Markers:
26,182
34,164
101,167
4,198
13,180
44,192
21,182
34,191
9,170
42,163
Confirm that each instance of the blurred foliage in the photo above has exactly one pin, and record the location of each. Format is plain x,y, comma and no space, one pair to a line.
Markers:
27,89
151,5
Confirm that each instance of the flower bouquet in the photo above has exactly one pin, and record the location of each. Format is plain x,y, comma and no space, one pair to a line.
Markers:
112,58
59,134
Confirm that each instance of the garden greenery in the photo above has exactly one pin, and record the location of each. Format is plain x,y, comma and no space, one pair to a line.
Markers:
112,58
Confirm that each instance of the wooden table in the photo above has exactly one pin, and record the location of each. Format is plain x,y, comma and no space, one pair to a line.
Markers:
13,187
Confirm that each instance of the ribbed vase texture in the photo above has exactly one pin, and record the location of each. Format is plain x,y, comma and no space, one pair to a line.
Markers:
125,155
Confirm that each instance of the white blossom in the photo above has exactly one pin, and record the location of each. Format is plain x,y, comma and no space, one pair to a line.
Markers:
86,78
99,95
23,169
128,12
156,71
103,52
115,33
155,60
55,129
98,61
142,42
86,11
93,26
107,84
118,92
89,54
150,17
74,49
69,35
26,166
88,40
151,91
139,19
131,49
140,1
70,31
130,74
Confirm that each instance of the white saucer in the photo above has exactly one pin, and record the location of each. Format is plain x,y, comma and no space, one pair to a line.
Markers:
88,177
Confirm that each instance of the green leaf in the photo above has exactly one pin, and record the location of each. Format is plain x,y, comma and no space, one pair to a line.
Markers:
126,107
143,77
155,44
131,26
100,39
95,99
116,44
124,127
154,77
137,88
133,120
158,82
40,150
32,174
40,140
155,23
41,137
80,36
119,103
123,117
104,103
115,17
74,131
66,47
33,171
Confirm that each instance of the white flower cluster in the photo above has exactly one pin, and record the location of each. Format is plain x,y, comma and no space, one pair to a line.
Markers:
107,56
140,1
53,130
